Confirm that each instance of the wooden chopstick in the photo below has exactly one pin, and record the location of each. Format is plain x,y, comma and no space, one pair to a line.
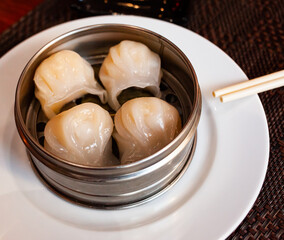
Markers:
247,88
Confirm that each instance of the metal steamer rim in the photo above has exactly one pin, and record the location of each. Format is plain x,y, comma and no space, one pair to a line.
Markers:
67,198
145,179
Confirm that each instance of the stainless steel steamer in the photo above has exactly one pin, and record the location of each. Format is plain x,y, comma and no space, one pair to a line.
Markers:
124,185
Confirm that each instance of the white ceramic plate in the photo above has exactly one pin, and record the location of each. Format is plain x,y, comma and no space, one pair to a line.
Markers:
208,202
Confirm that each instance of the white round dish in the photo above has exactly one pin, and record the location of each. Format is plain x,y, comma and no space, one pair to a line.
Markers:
208,202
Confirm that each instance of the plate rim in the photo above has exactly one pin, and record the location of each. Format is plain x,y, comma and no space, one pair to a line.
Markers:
54,28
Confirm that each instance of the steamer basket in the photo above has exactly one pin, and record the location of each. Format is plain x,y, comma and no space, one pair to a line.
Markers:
115,186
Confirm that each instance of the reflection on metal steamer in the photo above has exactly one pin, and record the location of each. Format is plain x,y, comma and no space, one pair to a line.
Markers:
118,186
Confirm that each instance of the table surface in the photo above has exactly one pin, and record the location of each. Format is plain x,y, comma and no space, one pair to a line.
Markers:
251,32
12,10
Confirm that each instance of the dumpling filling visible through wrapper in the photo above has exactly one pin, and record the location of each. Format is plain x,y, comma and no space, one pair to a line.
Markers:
144,126
130,64
81,135
63,77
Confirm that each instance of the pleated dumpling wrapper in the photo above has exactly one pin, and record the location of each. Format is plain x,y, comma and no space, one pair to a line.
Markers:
81,135
143,126
130,64
63,77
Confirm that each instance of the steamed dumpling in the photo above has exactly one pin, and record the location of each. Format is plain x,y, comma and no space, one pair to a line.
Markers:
143,126
130,64
81,135
63,77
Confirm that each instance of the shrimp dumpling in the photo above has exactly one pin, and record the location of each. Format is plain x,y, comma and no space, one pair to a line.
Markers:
143,126
63,77
81,135
130,64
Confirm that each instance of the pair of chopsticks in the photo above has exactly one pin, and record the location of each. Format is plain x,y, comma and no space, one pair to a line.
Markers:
247,88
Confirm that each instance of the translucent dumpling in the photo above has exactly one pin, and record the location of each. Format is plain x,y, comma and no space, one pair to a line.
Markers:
143,126
63,77
81,135
130,64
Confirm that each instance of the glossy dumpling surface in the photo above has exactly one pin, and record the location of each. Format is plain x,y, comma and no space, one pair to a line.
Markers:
130,64
81,135
143,126
63,77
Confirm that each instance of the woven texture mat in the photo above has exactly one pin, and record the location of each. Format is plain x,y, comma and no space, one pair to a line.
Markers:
252,33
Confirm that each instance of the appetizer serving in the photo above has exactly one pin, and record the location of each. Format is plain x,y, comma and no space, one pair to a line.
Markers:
82,134
143,126
63,77
113,125
130,64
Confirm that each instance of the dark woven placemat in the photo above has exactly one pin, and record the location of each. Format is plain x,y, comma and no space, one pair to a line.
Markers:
252,33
